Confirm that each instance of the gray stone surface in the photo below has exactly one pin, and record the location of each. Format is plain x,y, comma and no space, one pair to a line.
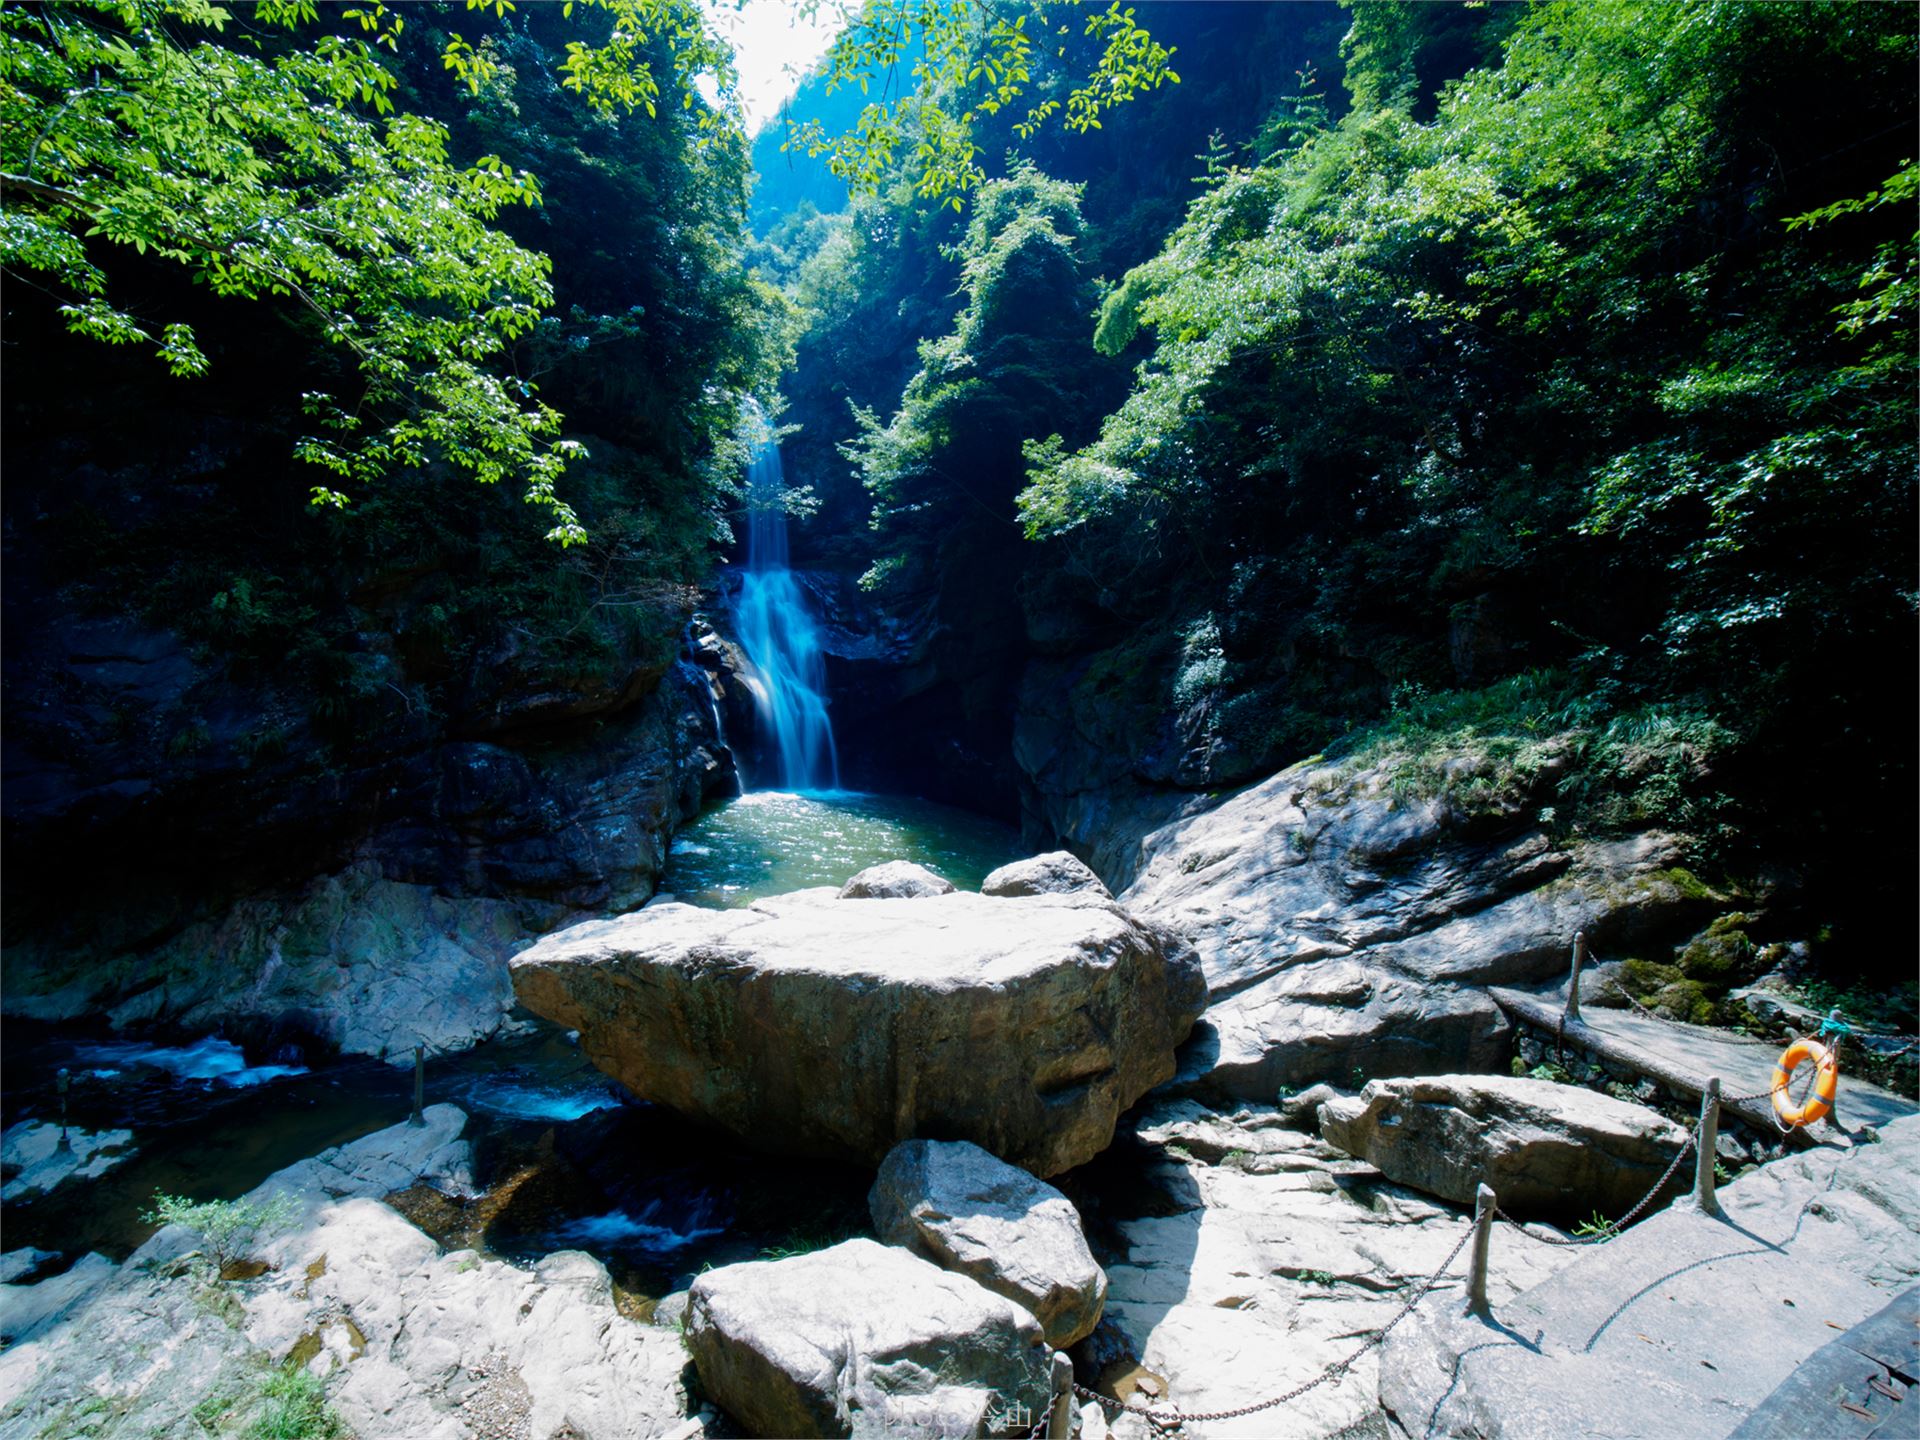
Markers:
895,880
396,930
1870,1369
406,1340
1058,872
809,1025
1545,1148
24,1261
1685,1323
969,1212
1344,926
36,1161
1256,1255
861,1339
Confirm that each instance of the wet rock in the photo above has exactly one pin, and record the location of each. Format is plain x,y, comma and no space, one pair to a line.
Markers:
956,1205
406,1340
1055,873
895,880
1546,1149
36,1161
812,1027
862,1339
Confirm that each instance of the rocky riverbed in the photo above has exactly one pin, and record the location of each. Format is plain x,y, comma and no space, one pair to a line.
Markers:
1210,1136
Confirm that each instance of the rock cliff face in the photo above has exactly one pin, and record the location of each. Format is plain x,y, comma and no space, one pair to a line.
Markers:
1345,926
370,903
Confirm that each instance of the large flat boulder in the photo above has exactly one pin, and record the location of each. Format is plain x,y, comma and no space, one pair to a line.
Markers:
1545,1148
863,1339
814,1026
966,1211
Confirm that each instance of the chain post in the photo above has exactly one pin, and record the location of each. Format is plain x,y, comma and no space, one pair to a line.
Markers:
1060,1417
1484,1204
419,1085
1573,983
64,1083
1704,1147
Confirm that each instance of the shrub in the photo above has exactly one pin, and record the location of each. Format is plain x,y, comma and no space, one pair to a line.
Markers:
225,1227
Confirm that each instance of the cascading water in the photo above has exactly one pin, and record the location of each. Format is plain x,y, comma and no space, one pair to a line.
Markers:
779,636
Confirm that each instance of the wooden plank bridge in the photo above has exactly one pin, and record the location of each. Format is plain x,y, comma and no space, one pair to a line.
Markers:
1682,1057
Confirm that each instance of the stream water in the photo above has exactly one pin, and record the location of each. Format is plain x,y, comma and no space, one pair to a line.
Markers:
563,1157
570,1160
768,842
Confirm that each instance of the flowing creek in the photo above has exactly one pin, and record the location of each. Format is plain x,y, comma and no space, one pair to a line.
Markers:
563,1157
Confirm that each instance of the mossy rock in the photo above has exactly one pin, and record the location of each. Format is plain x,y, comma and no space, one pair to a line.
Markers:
1667,988
1721,953
1690,885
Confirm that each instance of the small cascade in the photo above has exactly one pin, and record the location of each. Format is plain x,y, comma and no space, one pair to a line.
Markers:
779,636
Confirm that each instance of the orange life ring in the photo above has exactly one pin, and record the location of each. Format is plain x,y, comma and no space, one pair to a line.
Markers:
1826,1080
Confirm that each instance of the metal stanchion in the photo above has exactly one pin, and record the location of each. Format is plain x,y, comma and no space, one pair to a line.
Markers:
1060,1417
65,1082
1573,984
1483,1207
1703,1144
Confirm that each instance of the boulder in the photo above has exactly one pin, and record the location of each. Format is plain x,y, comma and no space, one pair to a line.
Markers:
815,1028
863,1339
35,1161
1346,926
958,1206
1545,1148
1056,873
406,1340
895,880
1324,1021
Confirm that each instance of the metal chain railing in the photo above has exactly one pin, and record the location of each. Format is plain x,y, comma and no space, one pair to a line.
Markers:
1168,1419
1612,1227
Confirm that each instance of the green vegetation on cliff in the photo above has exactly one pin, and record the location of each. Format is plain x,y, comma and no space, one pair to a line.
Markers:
1575,342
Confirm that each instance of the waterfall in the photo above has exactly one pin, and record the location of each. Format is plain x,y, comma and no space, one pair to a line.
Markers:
779,636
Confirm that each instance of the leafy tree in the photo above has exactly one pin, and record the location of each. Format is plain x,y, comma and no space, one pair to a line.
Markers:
1598,345
252,165
967,63
225,1227
1010,364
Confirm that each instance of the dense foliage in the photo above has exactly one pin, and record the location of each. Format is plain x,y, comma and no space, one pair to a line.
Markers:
372,302
1561,384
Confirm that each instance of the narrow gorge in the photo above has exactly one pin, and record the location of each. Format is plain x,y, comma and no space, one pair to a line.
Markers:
1087,722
